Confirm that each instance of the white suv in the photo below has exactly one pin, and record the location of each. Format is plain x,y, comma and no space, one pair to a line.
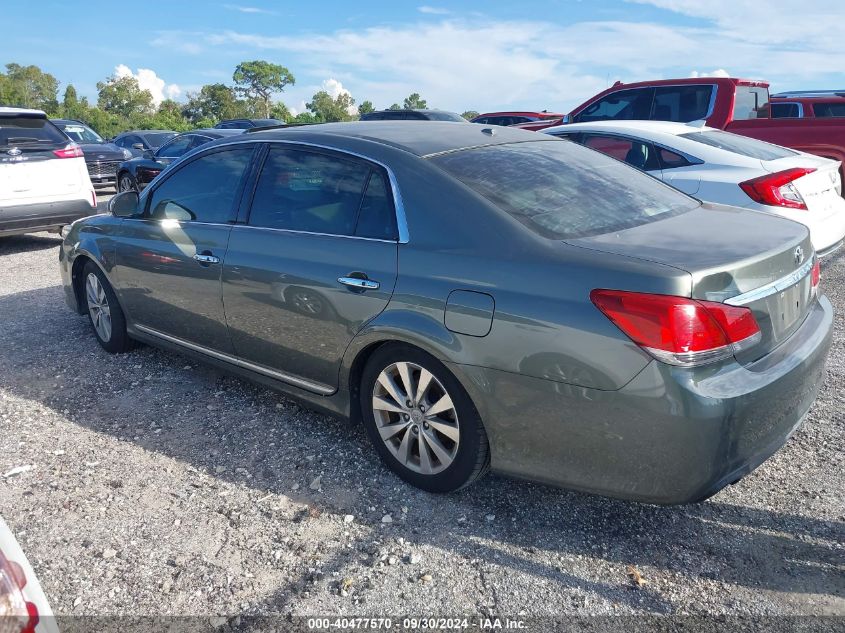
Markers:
44,183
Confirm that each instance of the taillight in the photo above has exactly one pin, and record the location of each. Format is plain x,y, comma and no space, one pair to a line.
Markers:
777,189
71,151
677,330
16,614
816,275
93,198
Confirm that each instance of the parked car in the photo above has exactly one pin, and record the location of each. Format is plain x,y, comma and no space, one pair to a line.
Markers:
740,106
23,606
726,168
101,157
808,104
246,124
139,141
137,173
577,322
413,115
515,118
44,184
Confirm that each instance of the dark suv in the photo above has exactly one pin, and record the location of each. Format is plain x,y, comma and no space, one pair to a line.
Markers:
412,115
101,157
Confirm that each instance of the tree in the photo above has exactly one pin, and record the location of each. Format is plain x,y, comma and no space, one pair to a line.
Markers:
305,117
260,79
29,87
328,110
72,107
415,102
280,111
124,97
395,106
470,114
366,107
214,102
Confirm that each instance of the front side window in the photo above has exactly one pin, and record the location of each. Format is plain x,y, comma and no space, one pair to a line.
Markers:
562,191
300,190
203,190
636,153
785,110
750,102
619,105
742,145
176,147
682,103
825,110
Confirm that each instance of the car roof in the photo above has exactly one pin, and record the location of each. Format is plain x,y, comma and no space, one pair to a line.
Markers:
537,113
629,127
9,110
147,132
422,138
213,132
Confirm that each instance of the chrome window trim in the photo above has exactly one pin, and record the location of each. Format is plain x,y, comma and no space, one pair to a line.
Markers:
774,287
316,387
298,232
398,205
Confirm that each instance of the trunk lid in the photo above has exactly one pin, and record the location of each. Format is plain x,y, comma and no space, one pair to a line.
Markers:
820,189
730,253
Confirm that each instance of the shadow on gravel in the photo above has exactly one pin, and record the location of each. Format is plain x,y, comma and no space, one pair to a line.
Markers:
15,244
223,425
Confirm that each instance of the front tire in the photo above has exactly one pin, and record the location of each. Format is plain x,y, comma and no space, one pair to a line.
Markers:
125,182
421,421
104,312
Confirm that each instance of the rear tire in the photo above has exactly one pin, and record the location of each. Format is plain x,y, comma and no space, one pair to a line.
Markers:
104,312
421,421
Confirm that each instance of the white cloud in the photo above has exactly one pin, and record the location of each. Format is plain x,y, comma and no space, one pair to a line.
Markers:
299,108
149,80
335,89
433,10
243,9
719,72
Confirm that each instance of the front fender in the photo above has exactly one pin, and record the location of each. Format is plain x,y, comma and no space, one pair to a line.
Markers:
87,240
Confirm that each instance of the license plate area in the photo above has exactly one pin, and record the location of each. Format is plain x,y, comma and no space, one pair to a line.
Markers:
787,307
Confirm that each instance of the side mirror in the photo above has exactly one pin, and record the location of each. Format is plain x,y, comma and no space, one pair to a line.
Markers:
139,146
124,204
148,153
567,118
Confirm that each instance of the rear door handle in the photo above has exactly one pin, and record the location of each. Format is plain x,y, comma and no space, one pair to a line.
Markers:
207,258
358,283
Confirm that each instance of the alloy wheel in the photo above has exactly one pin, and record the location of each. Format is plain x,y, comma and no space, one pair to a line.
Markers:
98,307
416,418
125,183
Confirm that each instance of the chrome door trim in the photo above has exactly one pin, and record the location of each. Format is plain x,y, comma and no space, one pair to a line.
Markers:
357,282
316,387
774,287
207,259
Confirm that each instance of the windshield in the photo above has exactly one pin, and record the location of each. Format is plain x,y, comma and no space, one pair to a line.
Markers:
81,133
742,145
561,190
29,131
443,116
158,139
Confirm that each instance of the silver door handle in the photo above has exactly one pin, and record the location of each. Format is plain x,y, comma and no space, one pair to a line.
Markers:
207,259
357,282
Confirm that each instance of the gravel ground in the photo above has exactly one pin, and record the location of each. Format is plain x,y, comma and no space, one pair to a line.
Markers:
162,486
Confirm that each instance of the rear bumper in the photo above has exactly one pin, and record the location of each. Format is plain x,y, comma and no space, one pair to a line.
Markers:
670,436
28,218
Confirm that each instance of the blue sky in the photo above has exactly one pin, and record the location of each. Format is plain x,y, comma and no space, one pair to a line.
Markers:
458,55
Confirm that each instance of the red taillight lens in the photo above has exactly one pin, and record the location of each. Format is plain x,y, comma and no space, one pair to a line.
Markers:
777,189
678,330
71,151
816,274
16,614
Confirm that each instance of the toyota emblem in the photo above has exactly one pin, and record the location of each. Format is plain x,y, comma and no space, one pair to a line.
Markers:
13,151
799,256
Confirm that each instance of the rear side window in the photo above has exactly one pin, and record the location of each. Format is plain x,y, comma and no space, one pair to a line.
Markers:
203,190
785,110
30,132
317,193
682,103
672,160
620,105
377,217
561,190
825,110
636,153
750,102
742,145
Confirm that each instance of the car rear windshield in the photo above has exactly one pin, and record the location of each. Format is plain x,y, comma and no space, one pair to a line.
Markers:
562,190
159,138
742,145
28,132
444,116
750,102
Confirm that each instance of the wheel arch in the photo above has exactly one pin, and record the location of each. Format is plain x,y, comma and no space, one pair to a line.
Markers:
77,266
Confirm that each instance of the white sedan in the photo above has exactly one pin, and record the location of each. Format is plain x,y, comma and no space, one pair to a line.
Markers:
724,168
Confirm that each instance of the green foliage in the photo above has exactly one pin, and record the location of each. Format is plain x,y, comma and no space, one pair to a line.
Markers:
470,114
414,102
29,87
280,111
395,106
366,107
305,117
259,80
124,97
327,110
214,102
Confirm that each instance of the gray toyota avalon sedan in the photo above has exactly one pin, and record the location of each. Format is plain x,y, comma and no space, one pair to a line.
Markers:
477,297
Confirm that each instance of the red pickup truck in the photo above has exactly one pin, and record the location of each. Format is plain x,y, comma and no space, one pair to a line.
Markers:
740,106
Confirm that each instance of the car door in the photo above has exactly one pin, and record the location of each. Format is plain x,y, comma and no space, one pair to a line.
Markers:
315,261
169,259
